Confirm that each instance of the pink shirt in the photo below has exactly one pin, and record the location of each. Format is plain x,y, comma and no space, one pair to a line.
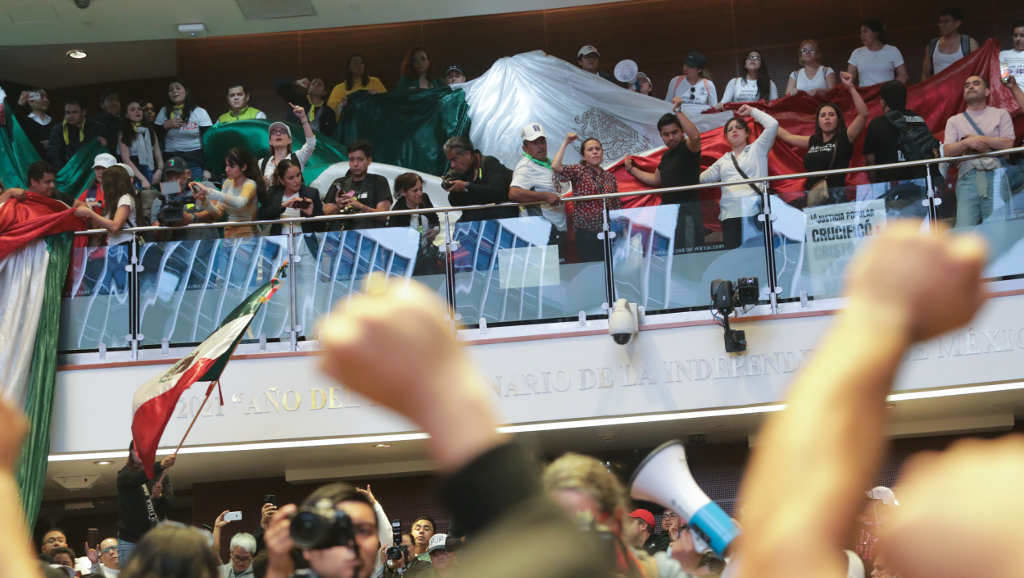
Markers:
992,122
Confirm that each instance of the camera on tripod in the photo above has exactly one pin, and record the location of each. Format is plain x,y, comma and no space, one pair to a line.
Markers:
726,297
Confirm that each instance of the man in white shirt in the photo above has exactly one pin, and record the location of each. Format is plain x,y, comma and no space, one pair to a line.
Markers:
1014,58
876,62
107,563
533,180
979,129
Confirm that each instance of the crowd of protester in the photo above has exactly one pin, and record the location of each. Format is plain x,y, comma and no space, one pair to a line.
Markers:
153,143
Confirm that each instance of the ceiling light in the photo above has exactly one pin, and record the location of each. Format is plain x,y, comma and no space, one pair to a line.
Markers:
382,446
103,463
76,54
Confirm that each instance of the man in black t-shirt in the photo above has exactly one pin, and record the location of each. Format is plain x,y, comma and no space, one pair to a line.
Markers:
358,191
680,166
881,144
475,179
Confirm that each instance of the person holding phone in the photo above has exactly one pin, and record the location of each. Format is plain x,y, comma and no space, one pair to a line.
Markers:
238,198
290,198
241,549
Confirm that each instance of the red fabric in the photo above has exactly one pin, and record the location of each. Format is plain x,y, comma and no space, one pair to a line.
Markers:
25,220
151,418
936,99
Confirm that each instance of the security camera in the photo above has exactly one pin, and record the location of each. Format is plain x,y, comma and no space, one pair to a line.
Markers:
83,4
623,322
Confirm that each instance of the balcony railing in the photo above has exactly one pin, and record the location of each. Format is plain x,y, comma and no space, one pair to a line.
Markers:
174,287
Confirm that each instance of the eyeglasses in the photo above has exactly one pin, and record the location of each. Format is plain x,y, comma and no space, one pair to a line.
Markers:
754,57
108,549
807,51
235,558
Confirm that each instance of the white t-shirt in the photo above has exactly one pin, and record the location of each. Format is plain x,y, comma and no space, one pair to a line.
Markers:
1014,59
120,237
533,177
876,66
808,84
303,154
742,89
741,200
704,92
187,138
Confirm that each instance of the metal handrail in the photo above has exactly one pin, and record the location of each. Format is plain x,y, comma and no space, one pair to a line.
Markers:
661,191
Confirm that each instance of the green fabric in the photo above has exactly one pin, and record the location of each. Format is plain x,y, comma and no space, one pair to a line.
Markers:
16,154
407,129
252,135
42,380
77,174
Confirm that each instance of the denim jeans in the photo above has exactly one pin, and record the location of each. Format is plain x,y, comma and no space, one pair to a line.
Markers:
981,196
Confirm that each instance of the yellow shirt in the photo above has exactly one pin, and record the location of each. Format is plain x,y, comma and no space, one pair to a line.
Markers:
341,91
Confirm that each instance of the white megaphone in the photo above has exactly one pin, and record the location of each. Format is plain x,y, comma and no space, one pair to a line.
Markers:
626,71
664,478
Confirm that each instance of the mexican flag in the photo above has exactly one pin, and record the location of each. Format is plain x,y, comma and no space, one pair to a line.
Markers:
153,403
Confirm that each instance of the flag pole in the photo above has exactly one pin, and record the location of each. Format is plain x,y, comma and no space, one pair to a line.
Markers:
195,417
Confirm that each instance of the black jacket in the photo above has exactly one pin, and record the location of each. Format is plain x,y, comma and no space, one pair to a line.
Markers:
58,152
272,208
489,184
403,220
133,519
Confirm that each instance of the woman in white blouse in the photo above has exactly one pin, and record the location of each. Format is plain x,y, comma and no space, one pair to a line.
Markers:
740,204
280,137
876,62
755,84
139,147
812,77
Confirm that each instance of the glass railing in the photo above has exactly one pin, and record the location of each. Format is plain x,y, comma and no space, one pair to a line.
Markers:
173,287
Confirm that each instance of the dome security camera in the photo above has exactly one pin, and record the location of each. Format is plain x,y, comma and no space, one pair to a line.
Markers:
623,322
83,4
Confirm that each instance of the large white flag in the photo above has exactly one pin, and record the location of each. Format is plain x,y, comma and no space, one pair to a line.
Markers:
537,87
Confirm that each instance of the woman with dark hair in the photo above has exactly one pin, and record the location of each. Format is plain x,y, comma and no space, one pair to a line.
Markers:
291,198
588,178
172,551
812,77
139,147
279,136
142,503
417,72
876,62
410,196
184,124
356,79
238,198
755,84
830,147
741,203
117,185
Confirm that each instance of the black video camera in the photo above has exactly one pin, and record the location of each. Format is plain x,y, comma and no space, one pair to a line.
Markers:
173,203
322,526
397,552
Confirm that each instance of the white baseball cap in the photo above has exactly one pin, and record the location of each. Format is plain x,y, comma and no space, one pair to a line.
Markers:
587,49
437,542
105,160
127,169
533,131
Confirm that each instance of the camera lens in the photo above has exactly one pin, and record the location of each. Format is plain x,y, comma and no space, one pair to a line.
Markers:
308,530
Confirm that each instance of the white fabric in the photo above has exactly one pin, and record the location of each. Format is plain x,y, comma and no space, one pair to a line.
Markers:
941,61
536,87
741,89
303,154
1014,59
533,177
41,119
21,284
142,147
118,238
186,138
291,213
818,82
741,200
876,66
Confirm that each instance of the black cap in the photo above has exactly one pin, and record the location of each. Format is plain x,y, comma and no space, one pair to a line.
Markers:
175,165
454,68
696,59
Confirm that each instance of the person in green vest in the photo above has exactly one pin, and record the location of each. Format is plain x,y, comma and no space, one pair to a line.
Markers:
238,106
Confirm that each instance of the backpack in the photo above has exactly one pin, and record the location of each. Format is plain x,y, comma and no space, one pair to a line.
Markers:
916,142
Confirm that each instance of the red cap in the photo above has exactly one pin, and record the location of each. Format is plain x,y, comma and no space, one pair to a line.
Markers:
643,515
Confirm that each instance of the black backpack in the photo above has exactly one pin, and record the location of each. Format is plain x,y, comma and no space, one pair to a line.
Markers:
915,142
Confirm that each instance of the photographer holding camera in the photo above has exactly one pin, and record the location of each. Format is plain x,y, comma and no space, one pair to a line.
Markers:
336,528
475,179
